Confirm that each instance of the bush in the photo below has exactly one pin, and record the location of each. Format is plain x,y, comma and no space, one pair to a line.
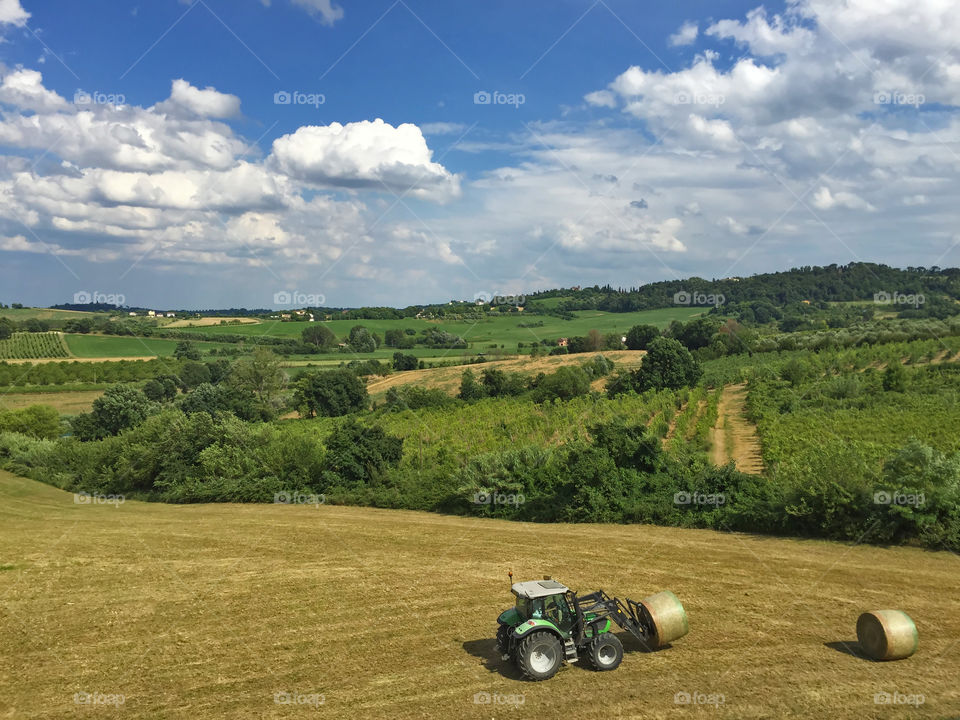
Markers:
36,421
566,383
330,393
359,455
120,407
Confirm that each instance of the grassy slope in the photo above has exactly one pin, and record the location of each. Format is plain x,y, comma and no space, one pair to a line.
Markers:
206,611
89,346
66,403
22,314
502,330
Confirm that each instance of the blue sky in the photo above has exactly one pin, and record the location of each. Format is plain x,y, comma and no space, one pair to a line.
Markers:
146,149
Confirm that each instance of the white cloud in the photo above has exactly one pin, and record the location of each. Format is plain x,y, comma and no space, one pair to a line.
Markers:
685,35
11,13
825,200
206,103
328,11
24,89
364,155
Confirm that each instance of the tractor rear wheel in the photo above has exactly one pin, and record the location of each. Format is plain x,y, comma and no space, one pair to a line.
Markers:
605,652
539,655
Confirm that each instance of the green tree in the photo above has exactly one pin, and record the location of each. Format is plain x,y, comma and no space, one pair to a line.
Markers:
639,336
566,383
361,340
38,421
895,377
404,362
329,393
193,374
667,364
186,350
260,377
470,389
319,336
120,407
161,388
359,455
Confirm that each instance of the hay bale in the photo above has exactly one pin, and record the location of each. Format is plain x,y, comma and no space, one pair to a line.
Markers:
664,612
887,634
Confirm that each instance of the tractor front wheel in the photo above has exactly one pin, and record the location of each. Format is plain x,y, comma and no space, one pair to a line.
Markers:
503,638
539,655
605,652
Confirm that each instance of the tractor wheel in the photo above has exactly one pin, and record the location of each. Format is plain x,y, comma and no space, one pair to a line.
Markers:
539,655
503,638
605,652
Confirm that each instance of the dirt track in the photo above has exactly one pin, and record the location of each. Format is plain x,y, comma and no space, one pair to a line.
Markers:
734,437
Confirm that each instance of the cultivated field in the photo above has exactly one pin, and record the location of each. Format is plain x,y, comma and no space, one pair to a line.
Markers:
210,610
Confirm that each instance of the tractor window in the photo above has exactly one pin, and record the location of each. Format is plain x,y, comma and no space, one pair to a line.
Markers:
558,611
530,609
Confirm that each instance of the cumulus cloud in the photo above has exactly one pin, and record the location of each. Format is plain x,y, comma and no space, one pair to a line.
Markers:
11,13
207,103
685,35
24,89
364,155
173,184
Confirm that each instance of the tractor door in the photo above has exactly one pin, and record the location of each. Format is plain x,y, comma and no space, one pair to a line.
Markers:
558,611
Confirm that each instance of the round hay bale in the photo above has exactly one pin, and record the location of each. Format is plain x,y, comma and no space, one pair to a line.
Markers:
664,612
887,634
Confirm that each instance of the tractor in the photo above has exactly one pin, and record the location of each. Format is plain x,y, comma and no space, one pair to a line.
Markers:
550,624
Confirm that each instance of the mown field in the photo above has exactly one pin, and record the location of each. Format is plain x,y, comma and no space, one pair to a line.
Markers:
210,611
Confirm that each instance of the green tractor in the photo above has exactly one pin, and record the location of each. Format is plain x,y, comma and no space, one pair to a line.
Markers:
550,624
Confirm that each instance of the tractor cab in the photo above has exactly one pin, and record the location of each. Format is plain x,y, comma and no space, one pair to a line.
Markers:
544,600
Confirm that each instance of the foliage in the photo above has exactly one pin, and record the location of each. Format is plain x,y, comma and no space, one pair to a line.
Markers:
329,393
119,408
36,421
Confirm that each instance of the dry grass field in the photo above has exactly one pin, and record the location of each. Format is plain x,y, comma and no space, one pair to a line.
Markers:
209,611
69,402
448,378
211,321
